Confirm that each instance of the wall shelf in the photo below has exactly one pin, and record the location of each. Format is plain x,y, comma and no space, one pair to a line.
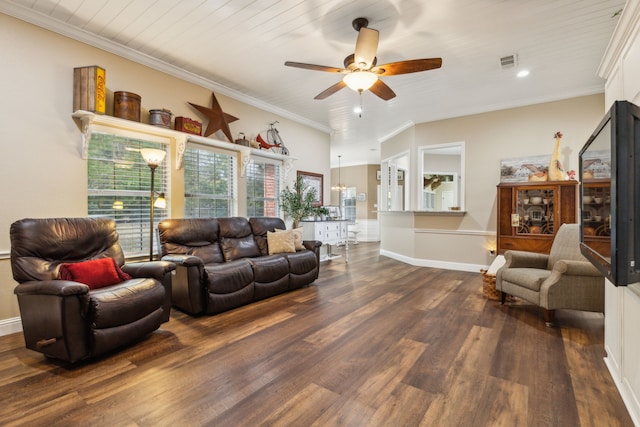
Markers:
89,122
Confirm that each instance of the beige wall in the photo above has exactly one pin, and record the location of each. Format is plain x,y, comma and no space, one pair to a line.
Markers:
42,172
488,137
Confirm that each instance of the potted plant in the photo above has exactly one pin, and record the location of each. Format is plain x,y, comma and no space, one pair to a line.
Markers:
297,203
322,212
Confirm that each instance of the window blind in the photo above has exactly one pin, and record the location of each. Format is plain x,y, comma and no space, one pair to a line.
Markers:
209,183
119,187
263,187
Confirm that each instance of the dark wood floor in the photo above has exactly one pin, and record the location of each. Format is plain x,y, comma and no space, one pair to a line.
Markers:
372,343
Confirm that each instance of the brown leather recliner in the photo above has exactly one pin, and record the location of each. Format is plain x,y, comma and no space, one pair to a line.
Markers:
67,320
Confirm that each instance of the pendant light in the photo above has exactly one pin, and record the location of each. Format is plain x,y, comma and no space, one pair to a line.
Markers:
340,186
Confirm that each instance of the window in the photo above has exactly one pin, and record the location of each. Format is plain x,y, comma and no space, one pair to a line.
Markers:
263,188
119,184
348,204
209,183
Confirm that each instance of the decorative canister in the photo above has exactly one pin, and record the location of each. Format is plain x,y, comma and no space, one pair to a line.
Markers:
126,105
160,118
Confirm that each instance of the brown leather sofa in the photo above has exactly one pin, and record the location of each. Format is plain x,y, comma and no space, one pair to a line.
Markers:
68,320
224,263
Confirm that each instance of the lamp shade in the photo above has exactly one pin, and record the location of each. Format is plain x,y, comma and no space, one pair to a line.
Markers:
360,80
152,156
161,202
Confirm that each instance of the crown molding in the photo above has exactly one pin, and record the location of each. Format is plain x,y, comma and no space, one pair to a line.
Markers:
626,29
396,131
78,34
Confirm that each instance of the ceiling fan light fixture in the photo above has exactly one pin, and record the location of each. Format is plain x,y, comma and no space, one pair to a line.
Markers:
360,81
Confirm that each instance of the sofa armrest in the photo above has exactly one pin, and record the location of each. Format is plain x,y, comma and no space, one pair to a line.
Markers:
53,315
523,259
576,268
159,270
312,245
156,269
184,260
52,287
188,283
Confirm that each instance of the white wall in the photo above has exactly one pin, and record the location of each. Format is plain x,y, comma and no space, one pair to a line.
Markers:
41,169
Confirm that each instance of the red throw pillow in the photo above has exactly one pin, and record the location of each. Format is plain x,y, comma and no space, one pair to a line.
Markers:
95,273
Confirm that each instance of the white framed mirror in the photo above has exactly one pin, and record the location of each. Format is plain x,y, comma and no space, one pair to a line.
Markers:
441,180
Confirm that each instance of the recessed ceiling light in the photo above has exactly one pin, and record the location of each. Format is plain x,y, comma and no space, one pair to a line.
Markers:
523,73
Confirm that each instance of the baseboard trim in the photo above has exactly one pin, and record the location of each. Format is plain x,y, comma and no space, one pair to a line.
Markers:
10,326
472,268
625,390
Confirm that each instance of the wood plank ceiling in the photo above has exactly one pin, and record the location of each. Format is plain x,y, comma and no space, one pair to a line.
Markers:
243,44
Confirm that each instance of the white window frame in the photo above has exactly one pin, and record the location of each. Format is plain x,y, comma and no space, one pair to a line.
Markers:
132,213
279,182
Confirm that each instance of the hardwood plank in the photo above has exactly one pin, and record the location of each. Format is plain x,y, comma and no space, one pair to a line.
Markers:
374,342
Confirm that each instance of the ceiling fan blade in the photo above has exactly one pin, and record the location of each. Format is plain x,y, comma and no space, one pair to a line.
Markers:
366,47
406,67
381,90
315,67
331,90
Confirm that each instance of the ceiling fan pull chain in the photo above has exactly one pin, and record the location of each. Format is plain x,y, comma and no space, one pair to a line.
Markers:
360,113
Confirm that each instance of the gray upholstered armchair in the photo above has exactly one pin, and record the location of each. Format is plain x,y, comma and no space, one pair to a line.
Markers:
564,279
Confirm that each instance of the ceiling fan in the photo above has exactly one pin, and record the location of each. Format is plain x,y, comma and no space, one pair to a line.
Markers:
361,70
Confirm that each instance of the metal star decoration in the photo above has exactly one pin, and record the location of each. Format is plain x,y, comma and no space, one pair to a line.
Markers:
218,120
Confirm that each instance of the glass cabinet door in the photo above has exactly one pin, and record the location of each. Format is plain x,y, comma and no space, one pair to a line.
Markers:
596,208
535,209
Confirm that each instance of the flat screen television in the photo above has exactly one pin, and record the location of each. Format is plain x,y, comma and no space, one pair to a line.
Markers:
609,166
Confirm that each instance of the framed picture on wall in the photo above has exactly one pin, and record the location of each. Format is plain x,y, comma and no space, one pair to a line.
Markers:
316,181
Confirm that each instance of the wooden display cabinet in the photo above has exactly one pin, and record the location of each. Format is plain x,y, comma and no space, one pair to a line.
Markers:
530,213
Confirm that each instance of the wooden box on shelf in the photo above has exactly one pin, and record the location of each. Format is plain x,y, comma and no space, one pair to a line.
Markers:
530,213
90,89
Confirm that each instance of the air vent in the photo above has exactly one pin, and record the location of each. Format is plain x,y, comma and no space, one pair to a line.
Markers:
509,61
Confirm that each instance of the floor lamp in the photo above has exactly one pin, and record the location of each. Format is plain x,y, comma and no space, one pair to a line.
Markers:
153,157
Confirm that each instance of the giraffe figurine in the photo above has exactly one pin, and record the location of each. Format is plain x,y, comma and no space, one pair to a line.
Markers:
556,173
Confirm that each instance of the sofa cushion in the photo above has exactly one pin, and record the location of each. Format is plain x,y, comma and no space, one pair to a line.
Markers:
107,308
260,225
95,273
229,285
297,238
302,268
271,274
280,242
236,239
191,236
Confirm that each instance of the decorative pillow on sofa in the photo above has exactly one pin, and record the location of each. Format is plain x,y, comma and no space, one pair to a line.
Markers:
95,273
297,237
280,242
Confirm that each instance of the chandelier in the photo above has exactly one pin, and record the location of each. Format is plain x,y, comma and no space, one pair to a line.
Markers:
340,186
